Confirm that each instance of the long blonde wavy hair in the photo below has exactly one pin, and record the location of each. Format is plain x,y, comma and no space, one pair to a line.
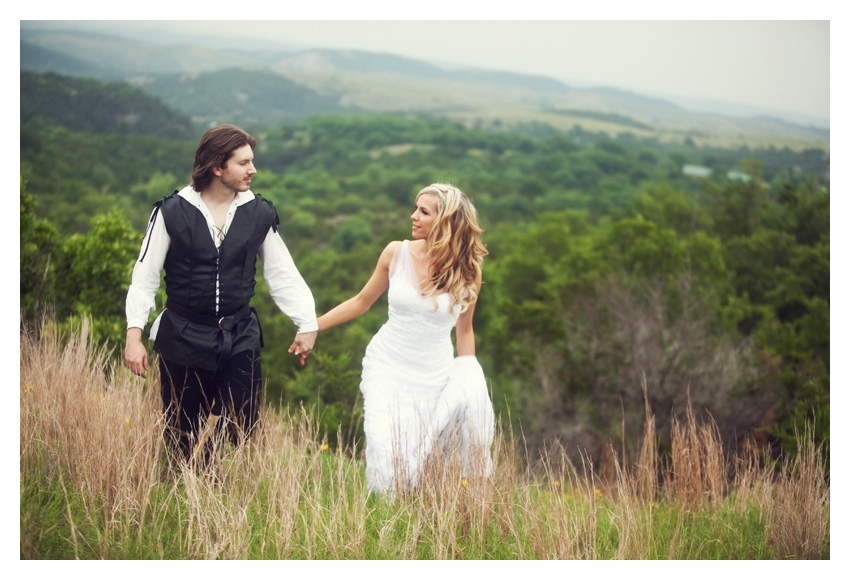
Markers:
455,250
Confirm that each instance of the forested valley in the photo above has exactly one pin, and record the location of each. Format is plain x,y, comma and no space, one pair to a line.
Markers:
613,271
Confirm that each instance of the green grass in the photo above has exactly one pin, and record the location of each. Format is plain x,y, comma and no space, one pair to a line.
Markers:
60,522
94,485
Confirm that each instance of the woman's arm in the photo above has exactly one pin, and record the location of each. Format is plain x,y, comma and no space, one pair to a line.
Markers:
465,336
359,304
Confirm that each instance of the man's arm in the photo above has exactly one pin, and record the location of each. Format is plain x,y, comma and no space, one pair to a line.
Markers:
135,355
289,292
141,297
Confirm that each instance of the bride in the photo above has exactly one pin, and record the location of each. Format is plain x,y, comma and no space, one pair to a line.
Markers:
417,395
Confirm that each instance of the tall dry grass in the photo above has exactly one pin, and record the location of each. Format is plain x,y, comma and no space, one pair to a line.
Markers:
95,483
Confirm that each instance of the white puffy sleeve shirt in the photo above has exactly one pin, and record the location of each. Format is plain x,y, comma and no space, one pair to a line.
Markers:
286,285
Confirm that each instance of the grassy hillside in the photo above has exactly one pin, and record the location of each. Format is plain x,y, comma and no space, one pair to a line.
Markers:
609,271
716,132
94,484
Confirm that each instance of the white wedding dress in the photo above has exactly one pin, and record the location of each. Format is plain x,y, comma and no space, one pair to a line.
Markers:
416,393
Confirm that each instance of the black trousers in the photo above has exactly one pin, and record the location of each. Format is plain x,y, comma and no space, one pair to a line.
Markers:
190,395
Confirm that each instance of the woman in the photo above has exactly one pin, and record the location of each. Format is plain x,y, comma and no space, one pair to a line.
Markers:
415,392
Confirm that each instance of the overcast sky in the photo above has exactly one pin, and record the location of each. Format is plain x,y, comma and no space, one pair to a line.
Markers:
779,65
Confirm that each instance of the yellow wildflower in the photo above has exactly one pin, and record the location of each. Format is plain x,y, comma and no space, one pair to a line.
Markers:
27,388
128,420
557,483
325,447
653,505
463,481
598,493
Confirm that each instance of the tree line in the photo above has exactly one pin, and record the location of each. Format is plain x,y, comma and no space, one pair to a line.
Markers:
608,268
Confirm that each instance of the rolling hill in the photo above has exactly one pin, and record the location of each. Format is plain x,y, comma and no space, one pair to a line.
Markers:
254,87
92,106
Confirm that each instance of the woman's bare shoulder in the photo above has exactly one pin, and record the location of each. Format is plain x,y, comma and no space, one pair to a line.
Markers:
388,252
392,247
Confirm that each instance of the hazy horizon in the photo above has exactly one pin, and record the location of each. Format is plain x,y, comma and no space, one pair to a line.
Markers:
741,67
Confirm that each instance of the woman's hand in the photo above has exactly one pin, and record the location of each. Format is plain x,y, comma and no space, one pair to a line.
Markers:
303,344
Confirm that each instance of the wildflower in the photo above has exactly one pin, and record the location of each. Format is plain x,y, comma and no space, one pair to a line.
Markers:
128,420
325,447
463,481
653,505
598,493
27,388
557,483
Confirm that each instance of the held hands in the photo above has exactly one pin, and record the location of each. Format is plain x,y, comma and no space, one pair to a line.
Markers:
135,355
303,344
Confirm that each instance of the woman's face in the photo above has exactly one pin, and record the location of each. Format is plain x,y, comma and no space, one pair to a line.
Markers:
424,216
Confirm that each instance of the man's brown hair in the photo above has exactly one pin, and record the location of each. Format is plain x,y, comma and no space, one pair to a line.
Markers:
214,149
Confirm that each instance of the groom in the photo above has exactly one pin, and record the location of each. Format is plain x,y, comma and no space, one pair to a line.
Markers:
207,237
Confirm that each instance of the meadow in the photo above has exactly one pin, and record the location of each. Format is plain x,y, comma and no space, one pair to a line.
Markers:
95,484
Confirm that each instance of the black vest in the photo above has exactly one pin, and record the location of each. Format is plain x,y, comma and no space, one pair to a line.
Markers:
193,264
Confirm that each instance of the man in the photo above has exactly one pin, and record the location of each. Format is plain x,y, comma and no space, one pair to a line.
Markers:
208,237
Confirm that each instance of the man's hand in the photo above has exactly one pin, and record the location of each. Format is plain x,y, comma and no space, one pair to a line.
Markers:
303,344
135,355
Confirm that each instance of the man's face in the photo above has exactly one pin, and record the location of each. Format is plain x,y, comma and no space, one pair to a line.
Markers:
238,170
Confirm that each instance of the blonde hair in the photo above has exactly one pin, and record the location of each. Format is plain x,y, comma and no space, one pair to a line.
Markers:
455,249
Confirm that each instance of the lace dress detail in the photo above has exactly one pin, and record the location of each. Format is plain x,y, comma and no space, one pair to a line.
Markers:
415,392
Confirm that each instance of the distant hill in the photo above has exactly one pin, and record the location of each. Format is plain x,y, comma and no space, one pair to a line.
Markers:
39,59
109,54
250,97
267,86
359,61
93,106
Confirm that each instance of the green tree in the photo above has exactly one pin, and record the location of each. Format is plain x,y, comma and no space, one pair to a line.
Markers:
40,249
353,230
96,274
739,208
